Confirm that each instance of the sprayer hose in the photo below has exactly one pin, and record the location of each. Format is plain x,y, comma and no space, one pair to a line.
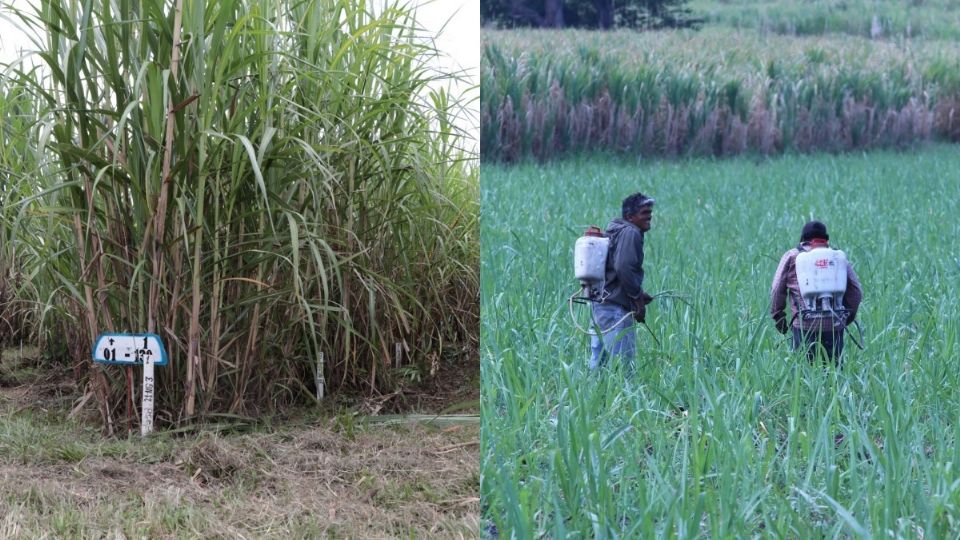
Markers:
592,332
602,332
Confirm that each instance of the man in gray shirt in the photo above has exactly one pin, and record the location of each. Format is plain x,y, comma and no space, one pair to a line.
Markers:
622,300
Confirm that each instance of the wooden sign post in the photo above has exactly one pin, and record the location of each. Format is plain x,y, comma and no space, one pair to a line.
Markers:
135,349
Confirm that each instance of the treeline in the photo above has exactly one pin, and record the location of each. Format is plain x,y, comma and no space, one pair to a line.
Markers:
598,14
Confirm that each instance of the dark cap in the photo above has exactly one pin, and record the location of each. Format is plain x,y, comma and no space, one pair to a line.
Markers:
634,203
814,229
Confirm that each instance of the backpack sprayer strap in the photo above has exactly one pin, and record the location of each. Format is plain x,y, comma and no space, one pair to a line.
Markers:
604,293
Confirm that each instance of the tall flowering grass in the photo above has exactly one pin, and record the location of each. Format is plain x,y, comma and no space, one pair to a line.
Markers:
546,94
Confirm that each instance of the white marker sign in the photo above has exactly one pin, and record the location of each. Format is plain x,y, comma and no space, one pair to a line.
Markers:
134,349
129,349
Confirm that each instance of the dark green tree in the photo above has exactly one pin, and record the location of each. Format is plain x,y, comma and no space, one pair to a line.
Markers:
654,14
602,14
535,13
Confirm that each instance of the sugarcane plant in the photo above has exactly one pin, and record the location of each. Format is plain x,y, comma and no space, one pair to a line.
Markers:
273,187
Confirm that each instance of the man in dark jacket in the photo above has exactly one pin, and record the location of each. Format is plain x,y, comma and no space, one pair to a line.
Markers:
622,300
823,331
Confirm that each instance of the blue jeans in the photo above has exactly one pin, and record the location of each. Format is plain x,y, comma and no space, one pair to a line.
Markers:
619,339
832,343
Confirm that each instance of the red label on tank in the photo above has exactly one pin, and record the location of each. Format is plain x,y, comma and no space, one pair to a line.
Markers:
822,263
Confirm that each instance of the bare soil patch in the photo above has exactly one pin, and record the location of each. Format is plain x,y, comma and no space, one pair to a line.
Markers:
454,387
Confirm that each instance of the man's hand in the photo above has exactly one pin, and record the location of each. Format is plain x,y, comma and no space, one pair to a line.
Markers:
782,325
639,310
647,298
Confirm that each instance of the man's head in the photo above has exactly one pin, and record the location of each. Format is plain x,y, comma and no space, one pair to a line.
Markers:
812,230
638,209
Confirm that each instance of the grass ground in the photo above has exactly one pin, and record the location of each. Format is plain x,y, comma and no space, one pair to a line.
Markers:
307,477
723,432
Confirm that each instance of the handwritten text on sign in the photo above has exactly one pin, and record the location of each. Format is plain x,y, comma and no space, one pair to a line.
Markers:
129,349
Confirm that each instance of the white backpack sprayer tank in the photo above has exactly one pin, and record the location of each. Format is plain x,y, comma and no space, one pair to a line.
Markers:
822,277
590,268
590,262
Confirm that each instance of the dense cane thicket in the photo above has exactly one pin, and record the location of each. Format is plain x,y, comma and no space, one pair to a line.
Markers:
271,187
712,93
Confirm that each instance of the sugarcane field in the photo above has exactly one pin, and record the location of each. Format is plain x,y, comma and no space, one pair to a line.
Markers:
719,241
239,269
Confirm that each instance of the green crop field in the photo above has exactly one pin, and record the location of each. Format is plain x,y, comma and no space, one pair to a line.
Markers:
723,432
932,19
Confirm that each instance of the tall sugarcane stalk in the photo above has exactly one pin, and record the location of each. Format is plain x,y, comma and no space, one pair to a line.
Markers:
262,184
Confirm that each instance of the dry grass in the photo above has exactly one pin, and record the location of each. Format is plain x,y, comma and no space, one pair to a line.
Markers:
383,484
336,478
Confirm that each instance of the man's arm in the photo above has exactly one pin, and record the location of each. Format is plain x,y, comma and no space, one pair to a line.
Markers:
778,293
853,295
629,264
